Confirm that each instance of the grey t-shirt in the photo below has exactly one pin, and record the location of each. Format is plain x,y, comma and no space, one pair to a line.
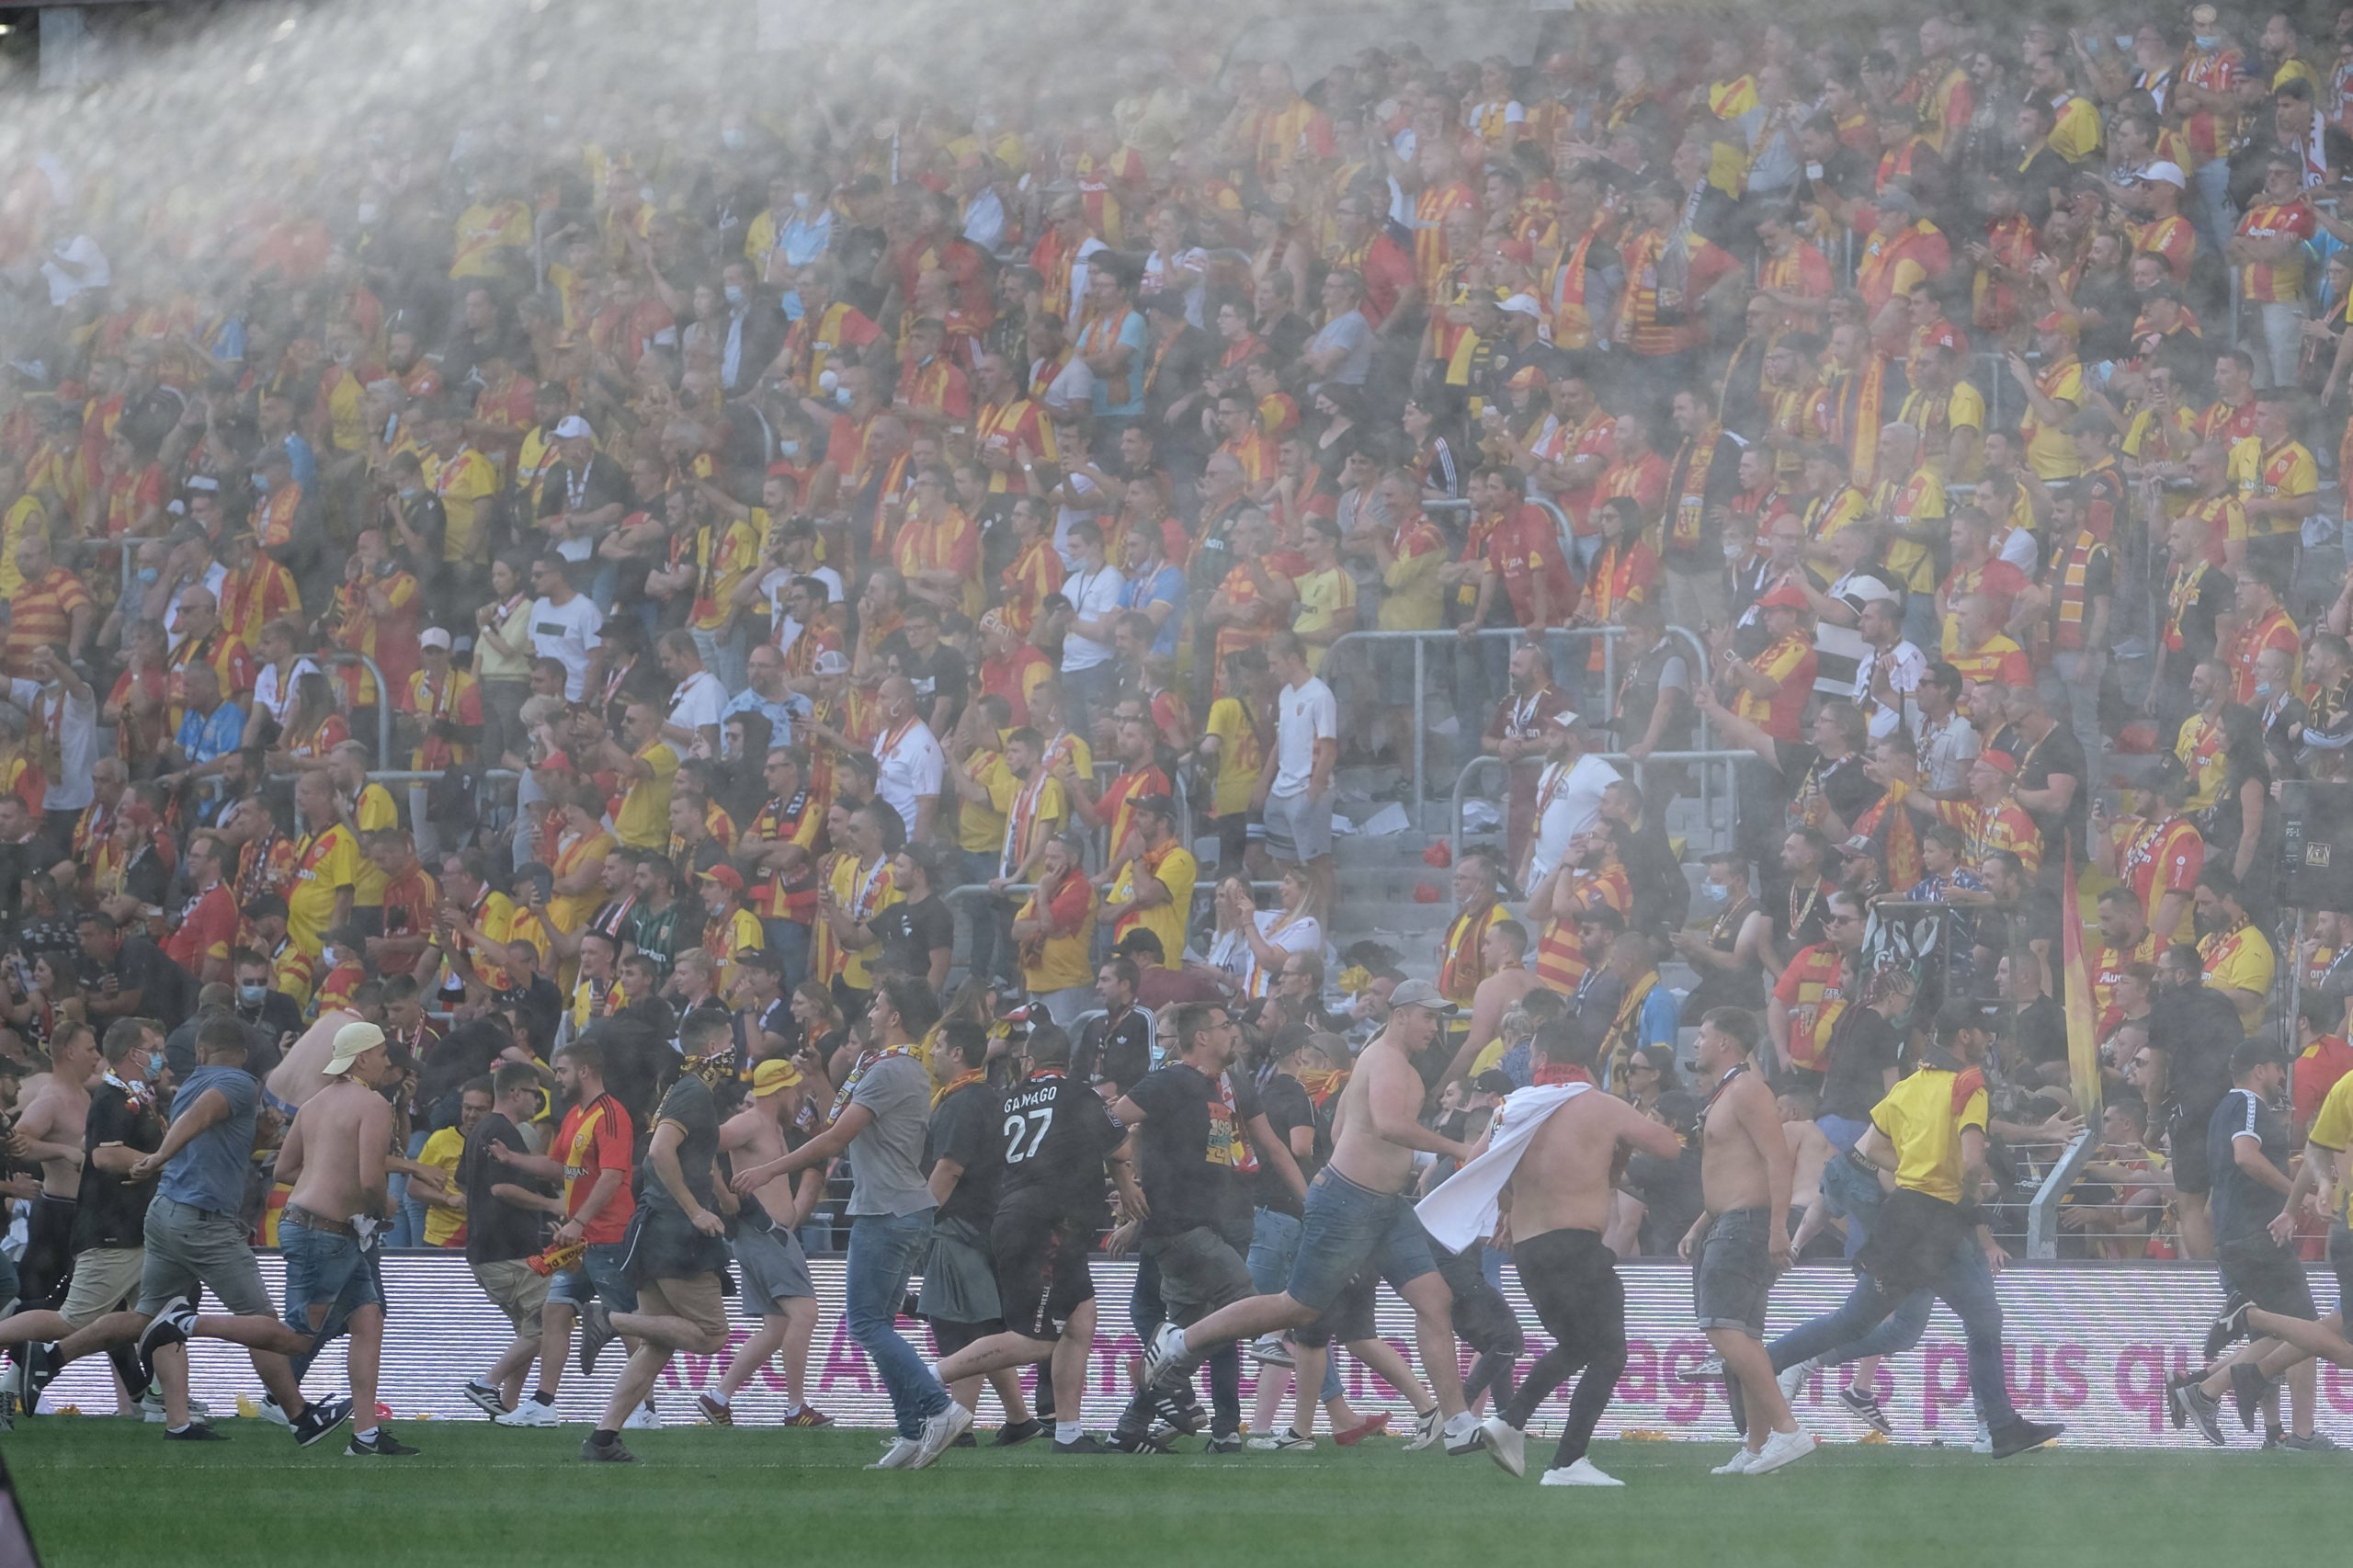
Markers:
211,1172
886,1158
1351,331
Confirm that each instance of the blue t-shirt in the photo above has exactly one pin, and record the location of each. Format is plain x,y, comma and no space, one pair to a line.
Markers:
1166,585
2243,1207
203,739
1137,341
211,1172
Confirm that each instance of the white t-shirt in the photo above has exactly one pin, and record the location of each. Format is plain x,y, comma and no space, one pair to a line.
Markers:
912,765
1570,800
1066,516
1304,714
215,577
78,739
1096,596
568,633
699,700
276,697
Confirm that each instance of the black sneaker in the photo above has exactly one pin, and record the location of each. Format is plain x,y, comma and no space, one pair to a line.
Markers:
1181,1409
2248,1385
2023,1436
195,1432
1013,1433
39,1368
382,1445
595,1332
165,1328
1865,1408
1223,1443
318,1418
1084,1443
610,1451
1138,1443
2228,1326
965,1440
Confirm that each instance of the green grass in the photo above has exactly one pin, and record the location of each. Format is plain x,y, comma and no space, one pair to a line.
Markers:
107,1492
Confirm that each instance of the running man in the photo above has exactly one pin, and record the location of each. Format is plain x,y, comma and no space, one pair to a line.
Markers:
1740,1241
1057,1142
774,1270
195,1242
1356,1218
1930,1130
1553,1206
506,1219
333,1155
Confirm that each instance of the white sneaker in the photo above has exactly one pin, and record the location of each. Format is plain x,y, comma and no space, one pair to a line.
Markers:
644,1418
1782,1449
1792,1379
1984,1442
1426,1430
528,1411
939,1431
899,1455
1269,1350
1736,1465
1507,1445
270,1411
1464,1434
1584,1473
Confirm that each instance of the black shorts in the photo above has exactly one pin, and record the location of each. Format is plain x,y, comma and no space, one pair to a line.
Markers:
2193,1171
1041,1275
47,1264
2267,1274
1912,1242
1350,1317
1482,1319
1572,1282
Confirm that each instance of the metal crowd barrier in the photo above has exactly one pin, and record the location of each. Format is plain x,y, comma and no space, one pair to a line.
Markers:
1704,761
2042,1214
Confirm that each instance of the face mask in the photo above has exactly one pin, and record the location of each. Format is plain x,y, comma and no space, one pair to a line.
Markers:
252,996
735,292
793,310
147,576
260,483
2263,688
154,1064
2208,40
788,448
328,957
841,396
368,211
730,138
801,201
1716,893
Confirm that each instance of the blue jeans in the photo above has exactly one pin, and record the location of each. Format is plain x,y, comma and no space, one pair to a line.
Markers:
1966,1286
325,1269
884,1252
789,940
1349,1228
991,953
1274,1241
408,1214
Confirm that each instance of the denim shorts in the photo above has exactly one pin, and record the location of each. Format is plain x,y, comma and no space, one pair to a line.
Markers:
601,1275
327,1268
1734,1272
1348,1230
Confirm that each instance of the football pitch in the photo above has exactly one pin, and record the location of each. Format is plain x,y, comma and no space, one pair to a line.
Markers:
100,1493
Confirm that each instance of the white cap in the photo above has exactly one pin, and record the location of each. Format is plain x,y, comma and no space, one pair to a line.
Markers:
572,428
1524,305
2165,174
351,1042
830,662
433,637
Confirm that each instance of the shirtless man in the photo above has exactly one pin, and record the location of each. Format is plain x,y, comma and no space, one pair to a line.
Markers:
335,1154
1741,1237
1503,952
1358,1219
1553,1209
49,1134
775,1273
1810,1148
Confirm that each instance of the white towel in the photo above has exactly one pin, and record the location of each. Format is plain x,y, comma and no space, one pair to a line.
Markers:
1463,1209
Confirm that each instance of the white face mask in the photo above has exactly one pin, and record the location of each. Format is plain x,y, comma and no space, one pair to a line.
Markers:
735,292
732,137
368,211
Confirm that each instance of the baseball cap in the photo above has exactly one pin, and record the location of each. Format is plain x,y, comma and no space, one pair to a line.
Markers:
1784,595
1522,305
352,1042
1422,993
433,637
726,876
1999,761
830,662
2059,321
572,428
2164,174
773,1074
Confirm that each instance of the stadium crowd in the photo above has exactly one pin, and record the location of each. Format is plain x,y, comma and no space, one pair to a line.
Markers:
743,631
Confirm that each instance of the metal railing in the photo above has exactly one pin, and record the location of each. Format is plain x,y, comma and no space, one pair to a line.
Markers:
1704,763
2042,1214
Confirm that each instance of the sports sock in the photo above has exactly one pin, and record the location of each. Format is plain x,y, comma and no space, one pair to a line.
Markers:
790,1410
542,1396
603,1436
1069,1431
722,1400
367,1436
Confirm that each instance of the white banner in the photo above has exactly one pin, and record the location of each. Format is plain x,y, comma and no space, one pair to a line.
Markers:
2090,1344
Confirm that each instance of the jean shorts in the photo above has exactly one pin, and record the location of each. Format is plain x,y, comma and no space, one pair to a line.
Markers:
1348,1230
1734,1272
330,1269
601,1275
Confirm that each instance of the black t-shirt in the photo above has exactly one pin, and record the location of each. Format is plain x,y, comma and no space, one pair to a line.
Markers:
430,520
1287,1106
497,1230
598,484
2244,1206
1053,1134
112,1209
2197,1030
2058,753
1194,1147
909,932
939,674
538,1007
140,965
1843,783
965,1129
1116,1050
2042,1031
1862,1048
689,1104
